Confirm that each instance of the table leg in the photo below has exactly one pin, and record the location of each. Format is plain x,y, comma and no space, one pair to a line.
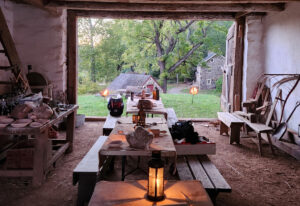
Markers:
259,144
123,167
70,130
40,158
270,143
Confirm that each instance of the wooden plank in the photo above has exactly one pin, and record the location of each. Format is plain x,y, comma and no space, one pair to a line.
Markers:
289,148
199,172
175,7
192,1
249,116
71,57
278,94
215,176
108,193
90,162
109,124
196,149
238,63
257,127
183,169
155,15
229,119
58,154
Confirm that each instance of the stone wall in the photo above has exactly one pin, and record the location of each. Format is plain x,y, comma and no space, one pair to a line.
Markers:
207,77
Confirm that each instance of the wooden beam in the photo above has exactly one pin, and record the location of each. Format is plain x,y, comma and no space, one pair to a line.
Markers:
71,57
167,7
238,62
154,15
188,1
38,4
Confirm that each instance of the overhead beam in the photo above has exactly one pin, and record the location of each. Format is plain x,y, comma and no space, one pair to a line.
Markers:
185,1
156,15
148,7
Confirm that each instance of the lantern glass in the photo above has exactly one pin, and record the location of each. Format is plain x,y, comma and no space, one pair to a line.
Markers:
156,179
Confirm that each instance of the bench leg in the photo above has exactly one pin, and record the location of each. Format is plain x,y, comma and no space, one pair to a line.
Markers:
270,143
235,134
259,144
223,128
86,185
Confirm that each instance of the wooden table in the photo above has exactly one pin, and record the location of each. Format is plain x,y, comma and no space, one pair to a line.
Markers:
40,162
158,107
163,143
133,193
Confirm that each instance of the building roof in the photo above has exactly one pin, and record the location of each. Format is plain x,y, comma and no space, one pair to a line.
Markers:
209,56
124,80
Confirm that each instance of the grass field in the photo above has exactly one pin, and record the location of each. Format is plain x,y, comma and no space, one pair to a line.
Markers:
204,105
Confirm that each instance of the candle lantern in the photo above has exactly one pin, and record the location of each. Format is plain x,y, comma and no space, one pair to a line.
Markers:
193,90
104,93
156,178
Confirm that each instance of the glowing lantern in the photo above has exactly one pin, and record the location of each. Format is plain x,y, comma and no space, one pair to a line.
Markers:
194,90
156,178
104,93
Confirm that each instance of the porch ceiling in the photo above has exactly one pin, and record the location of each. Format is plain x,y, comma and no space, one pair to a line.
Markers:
165,9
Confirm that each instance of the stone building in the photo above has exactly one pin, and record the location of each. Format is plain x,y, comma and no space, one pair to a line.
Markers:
207,76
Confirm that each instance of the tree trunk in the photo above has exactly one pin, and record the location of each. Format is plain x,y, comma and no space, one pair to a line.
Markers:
93,60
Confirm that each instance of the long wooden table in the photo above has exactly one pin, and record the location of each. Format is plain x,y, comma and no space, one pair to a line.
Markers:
40,162
158,107
163,143
133,193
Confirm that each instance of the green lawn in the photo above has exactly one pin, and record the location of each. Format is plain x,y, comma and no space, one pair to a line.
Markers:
205,105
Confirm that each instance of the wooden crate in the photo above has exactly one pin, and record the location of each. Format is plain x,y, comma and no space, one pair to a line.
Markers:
196,149
21,155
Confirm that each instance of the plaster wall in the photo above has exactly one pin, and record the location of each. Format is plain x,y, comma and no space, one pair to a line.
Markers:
282,54
40,39
253,64
7,9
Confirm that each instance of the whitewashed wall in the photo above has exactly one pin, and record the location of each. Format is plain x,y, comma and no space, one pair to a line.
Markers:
40,39
253,64
282,52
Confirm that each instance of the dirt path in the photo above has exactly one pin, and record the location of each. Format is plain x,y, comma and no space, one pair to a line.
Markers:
177,89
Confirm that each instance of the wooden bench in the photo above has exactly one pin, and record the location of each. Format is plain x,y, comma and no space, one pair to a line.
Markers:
172,118
87,171
230,121
199,167
259,129
109,124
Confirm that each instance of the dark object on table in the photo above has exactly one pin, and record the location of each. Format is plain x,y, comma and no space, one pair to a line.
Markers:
115,106
184,129
140,138
145,104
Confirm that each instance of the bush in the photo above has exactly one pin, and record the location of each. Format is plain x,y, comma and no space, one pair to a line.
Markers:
219,83
89,87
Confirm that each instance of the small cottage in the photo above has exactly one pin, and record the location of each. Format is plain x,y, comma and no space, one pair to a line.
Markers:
207,76
124,80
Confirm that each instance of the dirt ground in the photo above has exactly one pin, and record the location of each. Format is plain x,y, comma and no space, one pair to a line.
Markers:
255,180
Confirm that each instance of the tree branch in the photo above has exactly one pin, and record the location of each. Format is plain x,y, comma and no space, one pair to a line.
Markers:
174,66
182,29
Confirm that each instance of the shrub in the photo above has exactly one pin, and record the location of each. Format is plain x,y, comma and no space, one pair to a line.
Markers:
89,87
219,83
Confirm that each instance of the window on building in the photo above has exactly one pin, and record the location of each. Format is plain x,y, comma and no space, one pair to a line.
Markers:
208,81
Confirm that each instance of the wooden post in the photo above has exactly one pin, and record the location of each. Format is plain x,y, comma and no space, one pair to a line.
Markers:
71,57
70,130
238,63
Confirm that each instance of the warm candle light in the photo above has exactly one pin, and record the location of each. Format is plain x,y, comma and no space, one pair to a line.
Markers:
194,90
104,93
156,178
